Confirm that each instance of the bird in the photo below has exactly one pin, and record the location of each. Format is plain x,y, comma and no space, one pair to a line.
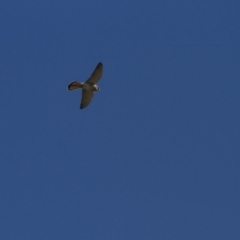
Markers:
89,86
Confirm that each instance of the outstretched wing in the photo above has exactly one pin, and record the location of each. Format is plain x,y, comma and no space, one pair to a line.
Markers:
87,96
74,85
96,75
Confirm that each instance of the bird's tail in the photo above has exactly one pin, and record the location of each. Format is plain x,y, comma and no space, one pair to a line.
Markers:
74,85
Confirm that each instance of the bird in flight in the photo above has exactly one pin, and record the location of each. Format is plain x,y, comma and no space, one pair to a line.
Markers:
88,87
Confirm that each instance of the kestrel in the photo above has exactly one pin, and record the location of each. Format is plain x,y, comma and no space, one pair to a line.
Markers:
88,87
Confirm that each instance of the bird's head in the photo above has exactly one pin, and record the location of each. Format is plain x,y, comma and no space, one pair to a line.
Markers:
96,88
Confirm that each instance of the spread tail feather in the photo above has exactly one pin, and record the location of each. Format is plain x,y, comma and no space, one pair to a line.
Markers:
74,85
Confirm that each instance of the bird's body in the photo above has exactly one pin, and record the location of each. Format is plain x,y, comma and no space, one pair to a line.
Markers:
88,87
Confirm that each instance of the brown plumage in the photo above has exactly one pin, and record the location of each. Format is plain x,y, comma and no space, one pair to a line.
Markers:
88,87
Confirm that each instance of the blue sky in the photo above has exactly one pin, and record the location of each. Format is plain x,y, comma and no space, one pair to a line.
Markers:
156,153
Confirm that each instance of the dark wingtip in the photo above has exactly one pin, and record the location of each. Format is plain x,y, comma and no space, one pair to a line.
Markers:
69,86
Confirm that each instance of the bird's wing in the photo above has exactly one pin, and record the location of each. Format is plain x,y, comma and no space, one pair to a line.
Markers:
96,75
87,96
74,85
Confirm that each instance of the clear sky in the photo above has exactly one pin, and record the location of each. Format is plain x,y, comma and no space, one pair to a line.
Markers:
156,154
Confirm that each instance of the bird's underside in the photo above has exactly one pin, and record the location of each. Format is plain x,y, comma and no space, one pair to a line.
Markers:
89,86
